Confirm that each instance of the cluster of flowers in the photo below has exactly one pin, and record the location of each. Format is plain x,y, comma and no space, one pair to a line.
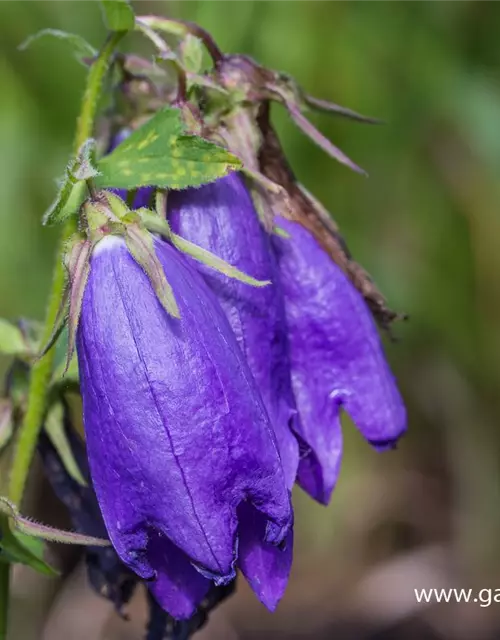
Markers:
198,426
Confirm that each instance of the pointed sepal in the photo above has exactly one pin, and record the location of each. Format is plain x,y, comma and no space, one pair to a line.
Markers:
59,324
214,262
37,530
154,223
317,104
77,262
140,243
318,138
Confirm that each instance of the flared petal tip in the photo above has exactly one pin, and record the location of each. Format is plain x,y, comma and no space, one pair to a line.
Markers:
385,445
318,491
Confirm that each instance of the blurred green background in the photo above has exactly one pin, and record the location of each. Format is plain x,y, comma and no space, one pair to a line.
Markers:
427,226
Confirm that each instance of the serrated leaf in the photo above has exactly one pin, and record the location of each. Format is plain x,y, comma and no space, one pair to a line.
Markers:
55,429
214,262
160,154
17,547
82,48
12,341
118,15
29,528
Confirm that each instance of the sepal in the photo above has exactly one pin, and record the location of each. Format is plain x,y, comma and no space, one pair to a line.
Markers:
140,243
78,265
248,82
156,223
214,262
37,530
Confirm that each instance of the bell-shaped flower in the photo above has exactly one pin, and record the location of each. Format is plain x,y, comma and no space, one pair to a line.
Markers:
220,217
337,360
178,438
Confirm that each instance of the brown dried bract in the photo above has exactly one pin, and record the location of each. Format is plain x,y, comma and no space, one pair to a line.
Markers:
303,208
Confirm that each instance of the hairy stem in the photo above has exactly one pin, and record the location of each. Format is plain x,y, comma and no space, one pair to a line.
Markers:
42,369
41,372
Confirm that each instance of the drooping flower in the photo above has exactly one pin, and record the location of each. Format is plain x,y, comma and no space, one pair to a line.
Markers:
220,217
179,441
337,360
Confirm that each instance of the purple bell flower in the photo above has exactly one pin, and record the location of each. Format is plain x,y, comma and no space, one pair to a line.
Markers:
181,451
221,218
337,360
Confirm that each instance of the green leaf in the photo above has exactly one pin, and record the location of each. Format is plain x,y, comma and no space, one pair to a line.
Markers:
70,194
160,154
191,50
12,341
118,15
17,547
54,427
82,48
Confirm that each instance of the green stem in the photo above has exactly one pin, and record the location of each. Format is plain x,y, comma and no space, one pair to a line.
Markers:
42,369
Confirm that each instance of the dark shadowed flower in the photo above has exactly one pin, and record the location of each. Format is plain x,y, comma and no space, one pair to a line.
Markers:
337,360
179,441
221,218
107,574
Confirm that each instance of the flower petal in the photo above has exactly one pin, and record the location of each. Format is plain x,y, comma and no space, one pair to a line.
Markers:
177,434
265,566
336,356
220,217
178,587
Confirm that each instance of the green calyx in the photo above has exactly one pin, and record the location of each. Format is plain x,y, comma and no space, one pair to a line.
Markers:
106,214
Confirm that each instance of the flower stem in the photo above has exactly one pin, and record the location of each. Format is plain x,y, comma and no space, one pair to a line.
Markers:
42,369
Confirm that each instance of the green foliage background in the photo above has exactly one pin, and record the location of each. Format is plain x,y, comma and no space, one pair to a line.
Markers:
426,223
